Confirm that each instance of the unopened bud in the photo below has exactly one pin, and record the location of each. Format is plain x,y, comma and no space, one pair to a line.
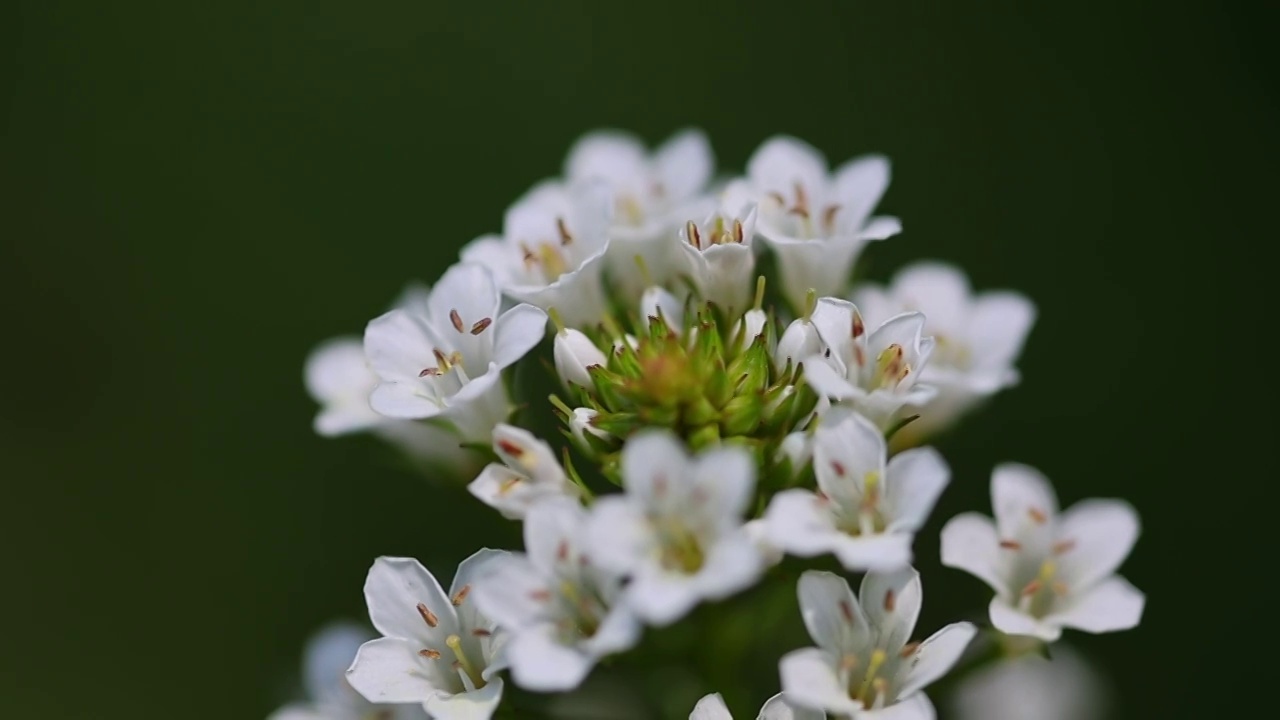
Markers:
574,354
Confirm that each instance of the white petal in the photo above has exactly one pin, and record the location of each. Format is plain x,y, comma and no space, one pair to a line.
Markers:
1016,491
1011,621
969,543
809,680
915,478
939,290
799,341
1113,604
619,534
611,155
820,265
936,656
496,487
916,707
490,251
532,456
389,670
892,601
783,161
999,326
299,711
401,400
859,185
831,613
335,367
541,664
660,597
399,346
575,355
475,705
710,707
882,552
479,406
799,523
684,163
880,228
326,658
651,461
465,288
905,330
728,475
825,381
835,321
549,526
508,592
518,331
779,707
619,631
733,564
1102,533
394,589
477,565
844,454
656,303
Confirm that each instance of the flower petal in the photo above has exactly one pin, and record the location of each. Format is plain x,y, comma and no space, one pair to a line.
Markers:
836,321
999,325
660,597
882,552
1011,621
1020,495
299,711
826,382
969,543
1101,533
780,707
477,704
390,670
710,707
936,656
335,367
518,331
733,564
845,455
619,631
552,530
510,590
401,400
619,534
400,345
831,613
809,680
916,707
728,476
859,185
891,601
612,155
651,461
783,161
1114,604
467,289
327,656
915,478
541,664
800,524
394,589
684,163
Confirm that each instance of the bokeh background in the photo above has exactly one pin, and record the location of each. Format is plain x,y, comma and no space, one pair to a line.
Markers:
194,194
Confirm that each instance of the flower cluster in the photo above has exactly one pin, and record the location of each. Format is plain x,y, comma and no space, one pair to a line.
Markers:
725,399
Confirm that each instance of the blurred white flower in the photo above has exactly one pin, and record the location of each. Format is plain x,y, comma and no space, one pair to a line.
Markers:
551,250
876,373
1031,687
678,530
327,656
867,510
575,355
816,223
712,707
1049,571
529,473
443,359
562,611
436,649
977,337
864,665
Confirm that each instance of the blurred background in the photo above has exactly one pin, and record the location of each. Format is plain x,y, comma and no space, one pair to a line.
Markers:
192,195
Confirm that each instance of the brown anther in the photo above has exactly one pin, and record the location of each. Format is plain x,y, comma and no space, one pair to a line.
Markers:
429,654
462,595
1038,515
509,447
481,632
698,496
909,649
737,231
1059,588
838,468
481,325
822,497
427,616
562,551
802,199
859,355
777,197
829,216
890,601
563,229
692,235
660,485
456,319
848,662
509,484
1063,547
846,611
529,257
1010,544
858,326
1032,587
799,212
429,371
540,595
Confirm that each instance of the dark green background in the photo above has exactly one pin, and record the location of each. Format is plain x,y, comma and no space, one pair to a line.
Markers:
193,195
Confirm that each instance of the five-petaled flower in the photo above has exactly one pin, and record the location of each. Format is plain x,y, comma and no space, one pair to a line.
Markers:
866,510
865,665
1049,571
438,650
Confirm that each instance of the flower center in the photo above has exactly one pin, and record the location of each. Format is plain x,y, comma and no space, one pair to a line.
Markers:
868,518
803,219
891,368
681,550
952,353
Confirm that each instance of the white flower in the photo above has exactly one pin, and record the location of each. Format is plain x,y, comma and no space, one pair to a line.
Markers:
816,223
712,707
575,355
551,251
529,473
977,337
798,342
436,649
562,611
720,258
877,373
867,511
657,302
678,529
444,359
752,325
1031,687
1049,571
583,423
653,195
329,697
864,665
